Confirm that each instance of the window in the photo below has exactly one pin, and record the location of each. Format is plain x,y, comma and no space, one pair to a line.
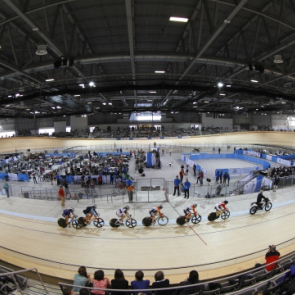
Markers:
46,131
146,116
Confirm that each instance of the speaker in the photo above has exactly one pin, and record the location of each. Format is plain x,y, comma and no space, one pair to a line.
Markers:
259,68
208,179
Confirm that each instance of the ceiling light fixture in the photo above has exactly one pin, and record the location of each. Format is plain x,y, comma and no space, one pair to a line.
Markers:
178,19
222,94
9,96
82,85
104,103
27,109
49,80
278,59
220,84
254,81
76,95
110,103
160,72
91,84
152,91
41,50
228,85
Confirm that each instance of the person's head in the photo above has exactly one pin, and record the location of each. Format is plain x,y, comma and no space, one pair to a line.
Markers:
195,205
186,180
272,248
68,291
119,274
160,207
60,186
176,176
159,276
84,291
99,275
94,206
127,207
193,276
139,275
225,202
82,271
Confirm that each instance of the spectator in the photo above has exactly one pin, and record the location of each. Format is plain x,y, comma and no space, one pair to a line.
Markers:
219,150
271,257
61,194
34,177
161,282
186,170
194,169
51,178
217,174
100,281
181,173
187,185
224,178
6,188
84,291
81,278
201,175
192,279
213,150
176,185
68,291
220,177
119,282
228,179
140,283
130,189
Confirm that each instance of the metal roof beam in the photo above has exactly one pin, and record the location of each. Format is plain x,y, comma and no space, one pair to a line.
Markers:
214,35
129,15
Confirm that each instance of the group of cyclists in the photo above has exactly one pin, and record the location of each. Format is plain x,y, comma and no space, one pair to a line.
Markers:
90,211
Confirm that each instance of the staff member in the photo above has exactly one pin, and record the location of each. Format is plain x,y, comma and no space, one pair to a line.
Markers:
130,189
176,185
61,194
187,185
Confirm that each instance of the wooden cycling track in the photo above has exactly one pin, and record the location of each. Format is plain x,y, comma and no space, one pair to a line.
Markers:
231,246
211,248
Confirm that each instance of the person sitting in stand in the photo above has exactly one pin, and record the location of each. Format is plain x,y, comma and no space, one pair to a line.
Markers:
271,257
154,212
68,213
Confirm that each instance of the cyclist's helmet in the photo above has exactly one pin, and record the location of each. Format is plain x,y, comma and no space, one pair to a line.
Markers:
94,206
195,205
126,207
161,207
225,202
72,209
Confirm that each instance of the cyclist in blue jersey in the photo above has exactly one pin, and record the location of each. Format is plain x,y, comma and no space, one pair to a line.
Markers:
90,213
68,213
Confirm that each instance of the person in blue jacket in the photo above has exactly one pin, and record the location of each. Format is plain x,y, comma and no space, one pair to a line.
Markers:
217,176
176,185
187,185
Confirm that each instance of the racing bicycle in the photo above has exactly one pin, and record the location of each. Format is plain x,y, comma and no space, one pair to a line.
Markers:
162,220
129,222
74,222
195,219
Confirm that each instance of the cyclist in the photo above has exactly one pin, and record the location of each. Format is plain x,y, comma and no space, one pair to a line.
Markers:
68,213
220,207
154,212
260,196
122,213
187,211
90,212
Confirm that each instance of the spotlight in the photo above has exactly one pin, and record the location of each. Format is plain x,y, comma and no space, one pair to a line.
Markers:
220,84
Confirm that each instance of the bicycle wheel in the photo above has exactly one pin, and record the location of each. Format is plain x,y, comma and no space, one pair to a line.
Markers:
76,224
196,218
253,210
98,222
225,214
113,222
163,220
147,221
131,223
268,206
180,220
